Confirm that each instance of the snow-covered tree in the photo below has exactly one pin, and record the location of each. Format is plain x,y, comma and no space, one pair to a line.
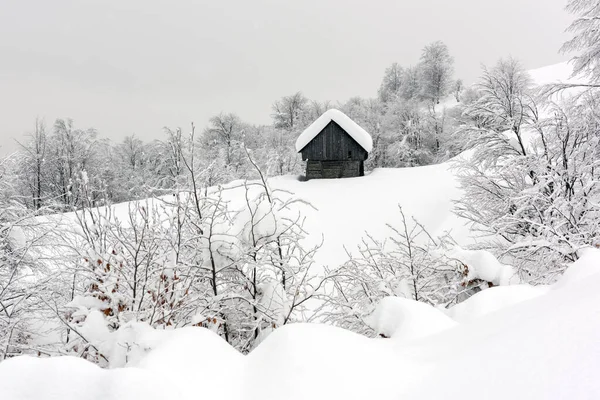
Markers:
288,111
368,113
392,83
70,152
436,69
585,41
457,89
411,87
410,137
530,182
225,130
33,165
279,156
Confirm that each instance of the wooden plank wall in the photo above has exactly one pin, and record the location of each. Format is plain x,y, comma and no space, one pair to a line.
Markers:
333,169
333,144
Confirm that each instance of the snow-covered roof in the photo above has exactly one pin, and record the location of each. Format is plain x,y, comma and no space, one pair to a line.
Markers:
352,128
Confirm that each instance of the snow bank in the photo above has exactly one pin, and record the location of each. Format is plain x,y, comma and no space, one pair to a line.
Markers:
198,362
543,348
405,319
182,364
500,297
70,378
310,361
493,299
588,265
556,73
354,130
481,264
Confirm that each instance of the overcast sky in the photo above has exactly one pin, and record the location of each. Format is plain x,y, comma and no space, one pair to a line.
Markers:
134,66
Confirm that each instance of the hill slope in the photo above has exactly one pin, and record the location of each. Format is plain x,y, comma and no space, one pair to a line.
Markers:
347,208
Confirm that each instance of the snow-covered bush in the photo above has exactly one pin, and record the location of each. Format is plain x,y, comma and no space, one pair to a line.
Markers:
272,279
410,264
187,259
26,284
21,279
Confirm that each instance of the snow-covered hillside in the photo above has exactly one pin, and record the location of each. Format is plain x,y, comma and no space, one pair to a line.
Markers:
342,211
555,73
348,208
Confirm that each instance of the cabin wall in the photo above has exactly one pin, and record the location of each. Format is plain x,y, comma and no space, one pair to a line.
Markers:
333,144
334,169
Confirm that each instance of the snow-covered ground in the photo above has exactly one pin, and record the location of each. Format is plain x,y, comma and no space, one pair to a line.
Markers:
555,73
347,208
344,210
542,346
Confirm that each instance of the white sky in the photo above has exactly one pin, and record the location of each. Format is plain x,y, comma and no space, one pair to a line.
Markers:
134,66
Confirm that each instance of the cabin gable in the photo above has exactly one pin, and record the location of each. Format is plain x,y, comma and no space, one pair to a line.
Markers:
333,144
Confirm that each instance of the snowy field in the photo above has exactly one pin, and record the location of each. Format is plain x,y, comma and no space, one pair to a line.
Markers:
340,212
346,209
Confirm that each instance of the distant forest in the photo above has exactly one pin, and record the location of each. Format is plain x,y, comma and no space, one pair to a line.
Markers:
409,121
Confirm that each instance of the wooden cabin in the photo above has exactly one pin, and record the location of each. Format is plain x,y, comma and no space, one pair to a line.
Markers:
334,146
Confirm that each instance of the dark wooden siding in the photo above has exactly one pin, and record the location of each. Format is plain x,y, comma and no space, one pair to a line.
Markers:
333,144
333,169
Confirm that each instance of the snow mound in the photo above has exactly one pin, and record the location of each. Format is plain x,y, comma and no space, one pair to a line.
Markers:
311,361
481,264
354,130
405,319
500,297
198,357
543,348
493,299
71,378
586,266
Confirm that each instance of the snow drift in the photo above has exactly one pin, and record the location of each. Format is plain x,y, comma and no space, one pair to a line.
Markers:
544,347
405,319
